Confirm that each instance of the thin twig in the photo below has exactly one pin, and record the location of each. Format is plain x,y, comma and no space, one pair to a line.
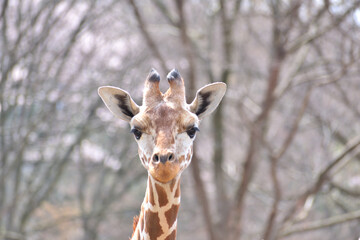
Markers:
314,225
321,179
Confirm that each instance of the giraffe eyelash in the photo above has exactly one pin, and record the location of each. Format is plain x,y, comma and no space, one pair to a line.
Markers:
192,131
137,133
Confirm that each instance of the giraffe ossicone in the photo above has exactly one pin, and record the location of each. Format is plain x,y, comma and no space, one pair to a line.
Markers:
164,127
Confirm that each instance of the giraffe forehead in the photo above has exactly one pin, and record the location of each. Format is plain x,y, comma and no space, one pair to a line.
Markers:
165,116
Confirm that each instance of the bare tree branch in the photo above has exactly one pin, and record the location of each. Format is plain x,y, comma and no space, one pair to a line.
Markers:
345,189
256,137
149,40
309,226
310,37
227,23
323,177
165,12
269,232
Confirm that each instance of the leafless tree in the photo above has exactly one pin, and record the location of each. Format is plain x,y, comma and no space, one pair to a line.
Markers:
278,159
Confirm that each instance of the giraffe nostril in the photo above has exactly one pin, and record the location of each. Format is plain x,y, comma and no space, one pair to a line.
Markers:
155,158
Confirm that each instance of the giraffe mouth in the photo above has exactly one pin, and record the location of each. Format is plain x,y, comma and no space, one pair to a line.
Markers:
164,172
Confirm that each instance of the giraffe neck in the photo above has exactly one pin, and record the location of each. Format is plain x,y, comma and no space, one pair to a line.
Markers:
158,216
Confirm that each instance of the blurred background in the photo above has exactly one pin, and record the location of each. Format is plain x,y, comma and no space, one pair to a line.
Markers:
279,159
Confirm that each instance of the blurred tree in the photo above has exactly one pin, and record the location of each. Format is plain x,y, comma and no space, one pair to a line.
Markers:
278,160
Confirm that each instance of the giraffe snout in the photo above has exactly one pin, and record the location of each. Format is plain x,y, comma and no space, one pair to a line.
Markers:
163,157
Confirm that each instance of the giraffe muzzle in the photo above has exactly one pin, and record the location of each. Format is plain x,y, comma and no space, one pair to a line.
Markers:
164,172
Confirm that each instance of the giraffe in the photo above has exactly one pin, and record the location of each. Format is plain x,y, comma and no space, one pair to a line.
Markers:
164,127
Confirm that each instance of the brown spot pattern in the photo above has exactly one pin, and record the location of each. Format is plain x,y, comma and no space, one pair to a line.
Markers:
171,214
152,225
163,199
172,236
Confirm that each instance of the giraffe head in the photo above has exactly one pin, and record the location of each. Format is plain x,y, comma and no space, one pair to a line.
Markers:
164,126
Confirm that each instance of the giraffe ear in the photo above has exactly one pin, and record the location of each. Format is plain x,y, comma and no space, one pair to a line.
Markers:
119,102
207,99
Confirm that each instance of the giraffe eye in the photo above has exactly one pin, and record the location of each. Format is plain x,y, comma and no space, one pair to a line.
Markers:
137,133
192,131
